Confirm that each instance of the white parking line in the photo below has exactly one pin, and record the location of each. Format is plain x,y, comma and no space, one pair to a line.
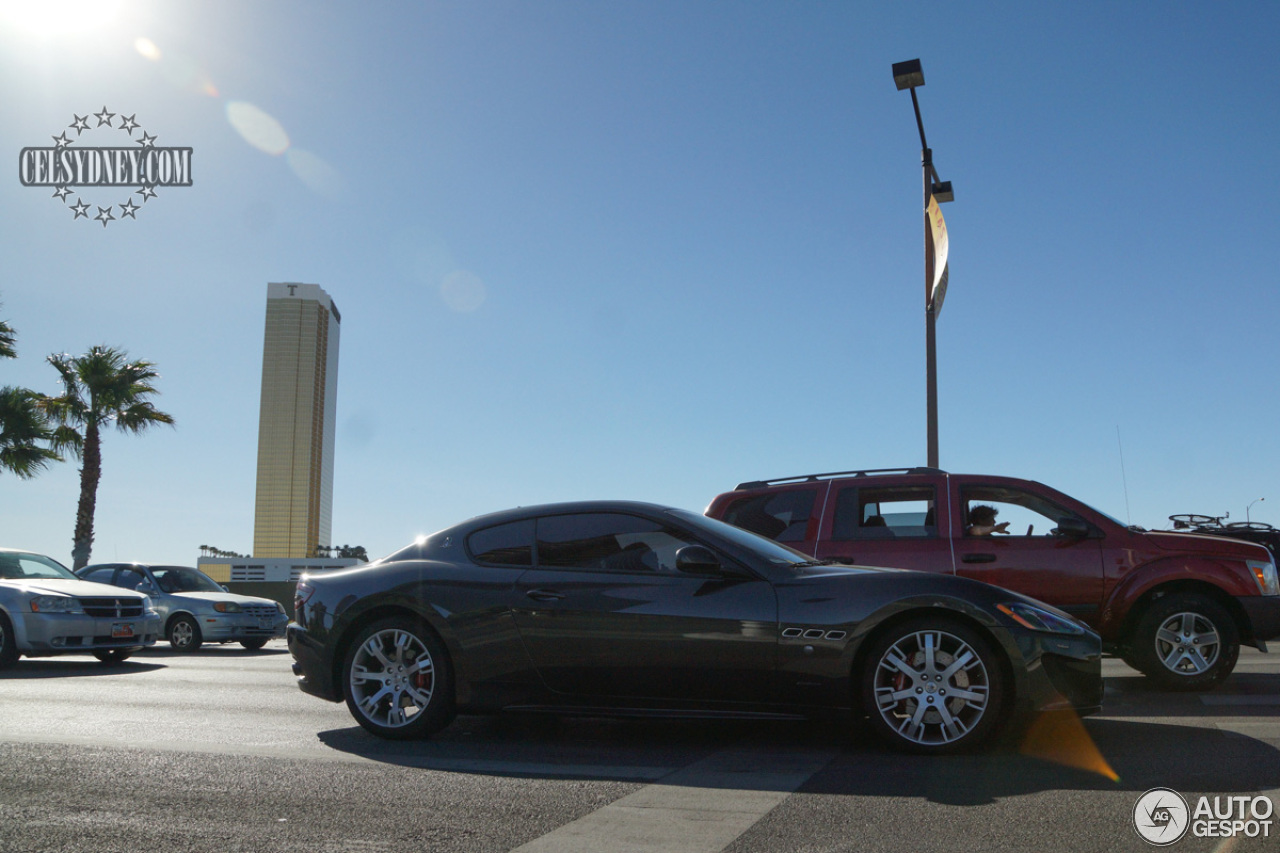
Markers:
699,809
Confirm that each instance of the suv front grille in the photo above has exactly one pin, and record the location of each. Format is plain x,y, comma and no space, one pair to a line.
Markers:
112,608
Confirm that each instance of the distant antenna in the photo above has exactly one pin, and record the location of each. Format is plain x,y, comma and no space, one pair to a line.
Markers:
1123,478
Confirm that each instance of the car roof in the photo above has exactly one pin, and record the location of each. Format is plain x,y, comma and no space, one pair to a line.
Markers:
517,513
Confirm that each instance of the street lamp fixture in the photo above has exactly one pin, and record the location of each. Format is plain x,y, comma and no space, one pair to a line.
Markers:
910,75
1249,507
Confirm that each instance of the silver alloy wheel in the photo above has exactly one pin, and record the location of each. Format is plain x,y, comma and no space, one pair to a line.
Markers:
182,634
1187,643
931,687
392,678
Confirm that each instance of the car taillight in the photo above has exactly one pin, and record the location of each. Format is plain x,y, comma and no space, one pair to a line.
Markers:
301,595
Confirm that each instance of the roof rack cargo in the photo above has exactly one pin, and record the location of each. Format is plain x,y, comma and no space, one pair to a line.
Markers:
813,478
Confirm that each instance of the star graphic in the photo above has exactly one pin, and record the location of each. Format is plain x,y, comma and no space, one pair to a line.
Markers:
146,192
80,123
127,124
104,117
147,140
61,194
129,209
62,140
104,215
80,208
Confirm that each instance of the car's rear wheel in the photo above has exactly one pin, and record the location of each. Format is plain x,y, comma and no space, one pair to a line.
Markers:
1185,641
184,634
397,679
933,685
113,657
8,643
253,645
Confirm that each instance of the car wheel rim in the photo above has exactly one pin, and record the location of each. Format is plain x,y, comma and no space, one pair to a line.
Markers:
392,678
181,634
1188,644
932,687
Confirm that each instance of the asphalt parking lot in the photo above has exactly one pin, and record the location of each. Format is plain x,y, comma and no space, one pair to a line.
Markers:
219,751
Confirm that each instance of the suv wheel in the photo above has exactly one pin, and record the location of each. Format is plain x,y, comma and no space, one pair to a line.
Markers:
933,685
397,680
1185,641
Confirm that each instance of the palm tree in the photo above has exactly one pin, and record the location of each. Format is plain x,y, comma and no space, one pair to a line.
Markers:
100,387
23,426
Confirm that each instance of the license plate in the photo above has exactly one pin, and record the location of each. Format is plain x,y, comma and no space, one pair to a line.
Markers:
265,622
121,630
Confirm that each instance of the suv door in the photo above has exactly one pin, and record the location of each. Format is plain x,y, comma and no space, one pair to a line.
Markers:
1034,556
901,525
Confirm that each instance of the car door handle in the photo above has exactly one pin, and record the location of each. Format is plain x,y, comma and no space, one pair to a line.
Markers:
544,594
979,558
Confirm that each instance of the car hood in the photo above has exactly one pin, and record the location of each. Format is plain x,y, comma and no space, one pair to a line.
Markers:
1213,546
225,596
80,589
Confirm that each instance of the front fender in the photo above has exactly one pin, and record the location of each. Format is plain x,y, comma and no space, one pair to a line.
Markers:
1229,577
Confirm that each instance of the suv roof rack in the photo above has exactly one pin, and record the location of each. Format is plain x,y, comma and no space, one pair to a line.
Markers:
813,478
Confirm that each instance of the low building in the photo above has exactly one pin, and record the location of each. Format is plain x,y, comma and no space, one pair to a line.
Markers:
273,578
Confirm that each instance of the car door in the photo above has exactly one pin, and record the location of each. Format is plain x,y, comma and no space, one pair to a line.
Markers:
900,525
605,613
1035,556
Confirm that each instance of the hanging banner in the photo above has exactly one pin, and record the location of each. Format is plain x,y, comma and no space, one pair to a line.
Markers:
938,247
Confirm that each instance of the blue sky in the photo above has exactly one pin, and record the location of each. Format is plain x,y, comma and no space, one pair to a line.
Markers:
651,250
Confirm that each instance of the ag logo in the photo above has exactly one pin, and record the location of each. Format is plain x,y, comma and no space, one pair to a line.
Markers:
117,168
1161,817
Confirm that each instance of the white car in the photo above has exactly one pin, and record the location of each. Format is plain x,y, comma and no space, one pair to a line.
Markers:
46,610
195,608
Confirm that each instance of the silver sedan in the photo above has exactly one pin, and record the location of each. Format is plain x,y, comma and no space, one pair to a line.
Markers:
195,608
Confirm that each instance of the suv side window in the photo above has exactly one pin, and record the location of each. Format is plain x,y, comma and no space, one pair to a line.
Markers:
893,512
1026,514
609,541
508,544
782,516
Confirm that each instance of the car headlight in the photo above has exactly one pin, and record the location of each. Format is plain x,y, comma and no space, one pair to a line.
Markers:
1264,572
280,608
146,603
226,607
55,604
1038,619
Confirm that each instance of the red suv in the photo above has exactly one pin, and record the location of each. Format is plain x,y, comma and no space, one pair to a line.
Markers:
1176,606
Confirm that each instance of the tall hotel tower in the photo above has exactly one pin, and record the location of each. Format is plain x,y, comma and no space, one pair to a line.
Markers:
294,508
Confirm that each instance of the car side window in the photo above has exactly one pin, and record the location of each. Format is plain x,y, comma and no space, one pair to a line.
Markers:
131,578
1003,512
782,516
100,575
608,541
509,544
893,512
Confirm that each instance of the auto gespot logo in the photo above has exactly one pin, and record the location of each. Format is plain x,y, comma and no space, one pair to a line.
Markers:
68,166
1162,817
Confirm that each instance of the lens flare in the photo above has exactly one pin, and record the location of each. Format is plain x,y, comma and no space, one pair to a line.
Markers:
257,127
463,291
147,48
1060,737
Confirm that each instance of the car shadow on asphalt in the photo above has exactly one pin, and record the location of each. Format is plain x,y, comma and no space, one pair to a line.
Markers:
64,667
1051,753
228,650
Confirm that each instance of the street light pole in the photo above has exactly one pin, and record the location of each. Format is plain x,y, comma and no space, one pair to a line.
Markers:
909,75
1249,507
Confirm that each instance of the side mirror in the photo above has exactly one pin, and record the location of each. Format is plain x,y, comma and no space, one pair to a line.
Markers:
697,560
146,588
224,587
1072,527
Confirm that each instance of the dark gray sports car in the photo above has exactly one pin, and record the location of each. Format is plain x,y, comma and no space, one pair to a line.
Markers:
628,608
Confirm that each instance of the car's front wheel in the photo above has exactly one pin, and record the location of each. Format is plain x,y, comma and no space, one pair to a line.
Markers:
397,680
8,643
933,685
1185,641
184,634
113,657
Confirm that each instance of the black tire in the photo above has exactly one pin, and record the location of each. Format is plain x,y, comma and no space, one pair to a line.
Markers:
113,657
397,680
1184,641
8,643
184,634
253,645
905,696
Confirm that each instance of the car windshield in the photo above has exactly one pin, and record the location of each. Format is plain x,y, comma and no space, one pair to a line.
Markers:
182,579
767,549
21,566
